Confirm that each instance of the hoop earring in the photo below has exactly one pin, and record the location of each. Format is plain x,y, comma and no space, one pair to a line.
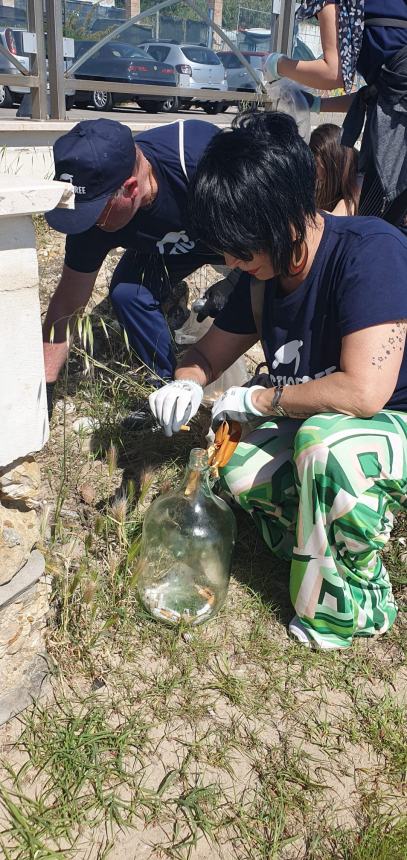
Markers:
298,266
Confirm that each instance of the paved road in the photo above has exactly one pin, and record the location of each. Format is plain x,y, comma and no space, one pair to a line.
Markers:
134,114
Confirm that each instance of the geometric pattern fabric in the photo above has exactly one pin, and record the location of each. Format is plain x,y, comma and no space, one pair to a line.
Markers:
323,494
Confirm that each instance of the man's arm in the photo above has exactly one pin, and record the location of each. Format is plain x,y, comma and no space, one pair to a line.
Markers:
71,296
215,352
370,365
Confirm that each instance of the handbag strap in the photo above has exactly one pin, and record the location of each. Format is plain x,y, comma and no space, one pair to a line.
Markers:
386,22
257,299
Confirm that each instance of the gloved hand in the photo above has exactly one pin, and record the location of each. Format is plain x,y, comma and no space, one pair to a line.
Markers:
270,70
175,403
314,102
213,300
235,404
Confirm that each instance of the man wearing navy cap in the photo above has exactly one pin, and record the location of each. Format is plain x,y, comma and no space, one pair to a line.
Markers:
130,192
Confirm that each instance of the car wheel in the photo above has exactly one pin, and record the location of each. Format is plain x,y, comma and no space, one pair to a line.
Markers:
212,107
101,100
69,102
6,99
171,105
149,107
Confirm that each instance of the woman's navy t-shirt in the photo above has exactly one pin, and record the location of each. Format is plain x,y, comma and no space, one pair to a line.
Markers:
358,279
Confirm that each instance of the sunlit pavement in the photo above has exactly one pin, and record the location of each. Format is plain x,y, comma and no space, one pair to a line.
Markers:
134,114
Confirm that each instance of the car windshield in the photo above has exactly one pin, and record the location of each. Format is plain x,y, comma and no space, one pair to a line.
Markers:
231,61
256,62
196,54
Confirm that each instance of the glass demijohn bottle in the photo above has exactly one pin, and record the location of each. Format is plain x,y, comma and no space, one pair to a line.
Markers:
186,550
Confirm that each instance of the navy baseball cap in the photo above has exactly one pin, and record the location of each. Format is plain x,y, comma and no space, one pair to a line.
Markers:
96,157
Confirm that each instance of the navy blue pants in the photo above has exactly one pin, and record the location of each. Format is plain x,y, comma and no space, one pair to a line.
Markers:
141,283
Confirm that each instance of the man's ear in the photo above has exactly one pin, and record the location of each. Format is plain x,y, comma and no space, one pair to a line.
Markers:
131,186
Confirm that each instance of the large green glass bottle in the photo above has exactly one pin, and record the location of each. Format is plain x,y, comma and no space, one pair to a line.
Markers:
186,551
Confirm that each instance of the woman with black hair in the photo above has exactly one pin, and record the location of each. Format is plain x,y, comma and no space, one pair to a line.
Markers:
323,465
368,36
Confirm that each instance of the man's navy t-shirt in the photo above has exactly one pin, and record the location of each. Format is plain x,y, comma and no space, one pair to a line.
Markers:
162,227
358,279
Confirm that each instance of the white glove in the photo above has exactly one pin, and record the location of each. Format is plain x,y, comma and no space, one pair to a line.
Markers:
270,69
175,403
235,404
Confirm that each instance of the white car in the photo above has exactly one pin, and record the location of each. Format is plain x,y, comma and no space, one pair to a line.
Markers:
12,41
199,69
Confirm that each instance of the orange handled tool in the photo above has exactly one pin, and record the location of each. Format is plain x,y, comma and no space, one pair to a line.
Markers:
227,437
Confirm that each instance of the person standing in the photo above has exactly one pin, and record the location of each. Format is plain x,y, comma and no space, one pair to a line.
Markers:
370,37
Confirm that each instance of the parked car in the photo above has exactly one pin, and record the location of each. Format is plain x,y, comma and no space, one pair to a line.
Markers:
198,68
12,41
118,61
237,76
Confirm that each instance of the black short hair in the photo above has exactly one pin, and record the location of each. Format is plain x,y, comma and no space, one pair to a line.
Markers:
254,189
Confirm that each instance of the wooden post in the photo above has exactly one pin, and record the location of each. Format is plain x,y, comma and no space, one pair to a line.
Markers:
217,8
132,8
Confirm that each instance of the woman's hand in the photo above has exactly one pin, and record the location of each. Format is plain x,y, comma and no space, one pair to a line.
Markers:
270,68
236,404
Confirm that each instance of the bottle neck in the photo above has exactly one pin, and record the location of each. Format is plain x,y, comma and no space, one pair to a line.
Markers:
196,478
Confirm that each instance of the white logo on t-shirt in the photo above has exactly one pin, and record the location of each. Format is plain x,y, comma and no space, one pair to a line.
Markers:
287,353
181,243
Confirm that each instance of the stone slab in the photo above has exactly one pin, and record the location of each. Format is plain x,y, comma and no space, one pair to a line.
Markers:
24,579
26,196
35,685
23,402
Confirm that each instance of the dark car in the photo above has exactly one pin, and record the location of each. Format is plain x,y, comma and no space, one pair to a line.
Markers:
118,61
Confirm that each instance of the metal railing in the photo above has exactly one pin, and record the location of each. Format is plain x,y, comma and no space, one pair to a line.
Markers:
60,82
36,77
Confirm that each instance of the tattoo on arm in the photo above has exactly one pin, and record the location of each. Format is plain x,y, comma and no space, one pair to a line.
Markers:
394,343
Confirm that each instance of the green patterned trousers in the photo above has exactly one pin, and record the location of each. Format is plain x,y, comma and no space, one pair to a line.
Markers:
323,494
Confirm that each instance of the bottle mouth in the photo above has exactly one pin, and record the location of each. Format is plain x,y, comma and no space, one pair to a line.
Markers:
198,459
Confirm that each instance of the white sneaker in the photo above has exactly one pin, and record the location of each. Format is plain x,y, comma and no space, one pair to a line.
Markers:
297,629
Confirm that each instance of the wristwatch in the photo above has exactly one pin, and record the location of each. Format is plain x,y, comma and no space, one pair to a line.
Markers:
276,409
